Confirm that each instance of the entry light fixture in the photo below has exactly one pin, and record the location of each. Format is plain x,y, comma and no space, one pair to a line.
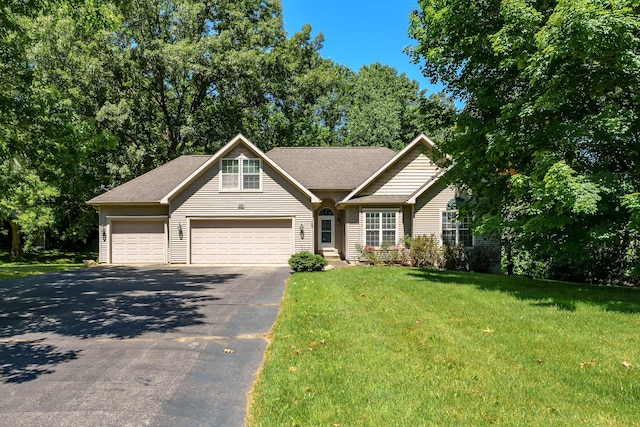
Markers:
180,234
302,231
104,233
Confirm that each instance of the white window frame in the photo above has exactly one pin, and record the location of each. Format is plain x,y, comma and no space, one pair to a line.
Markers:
241,174
380,211
456,227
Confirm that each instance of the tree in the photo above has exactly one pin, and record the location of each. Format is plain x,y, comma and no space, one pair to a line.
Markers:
96,92
119,87
23,191
548,138
384,108
23,203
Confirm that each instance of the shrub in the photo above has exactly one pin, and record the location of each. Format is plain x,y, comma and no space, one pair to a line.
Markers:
456,257
368,254
484,259
386,254
389,254
306,261
426,252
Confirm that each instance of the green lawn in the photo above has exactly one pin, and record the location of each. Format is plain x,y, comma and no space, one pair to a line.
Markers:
45,262
380,346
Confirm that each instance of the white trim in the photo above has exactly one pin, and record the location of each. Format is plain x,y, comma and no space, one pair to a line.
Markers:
332,218
136,217
241,218
441,235
363,223
221,153
240,174
370,209
422,138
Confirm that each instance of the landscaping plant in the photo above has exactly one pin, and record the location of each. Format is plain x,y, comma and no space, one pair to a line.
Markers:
306,261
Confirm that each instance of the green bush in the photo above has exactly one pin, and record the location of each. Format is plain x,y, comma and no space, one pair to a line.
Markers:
306,261
484,259
426,252
456,257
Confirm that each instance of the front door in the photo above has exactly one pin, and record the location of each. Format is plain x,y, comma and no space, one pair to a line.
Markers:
326,229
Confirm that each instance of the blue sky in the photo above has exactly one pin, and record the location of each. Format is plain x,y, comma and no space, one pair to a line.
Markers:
359,32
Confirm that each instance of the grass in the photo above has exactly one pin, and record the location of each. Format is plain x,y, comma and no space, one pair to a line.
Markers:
379,346
40,263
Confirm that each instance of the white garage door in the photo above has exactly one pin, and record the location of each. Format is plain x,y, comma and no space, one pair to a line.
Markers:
241,241
135,242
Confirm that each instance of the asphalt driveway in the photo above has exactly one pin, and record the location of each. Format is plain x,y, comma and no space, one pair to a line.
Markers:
125,346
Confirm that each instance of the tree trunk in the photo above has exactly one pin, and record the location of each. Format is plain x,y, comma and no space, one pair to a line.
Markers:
16,244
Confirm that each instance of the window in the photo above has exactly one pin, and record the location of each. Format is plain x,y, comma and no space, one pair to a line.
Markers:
230,174
455,230
251,174
240,174
380,228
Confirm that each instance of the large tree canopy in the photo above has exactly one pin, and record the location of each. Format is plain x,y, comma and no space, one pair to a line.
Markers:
96,92
548,140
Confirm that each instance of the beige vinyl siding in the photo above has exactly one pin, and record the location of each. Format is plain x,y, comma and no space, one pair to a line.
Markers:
203,199
240,150
352,233
411,172
122,211
428,210
428,215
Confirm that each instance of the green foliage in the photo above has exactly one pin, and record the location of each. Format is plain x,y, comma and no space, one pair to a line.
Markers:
484,259
385,255
95,93
426,252
548,138
24,200
306,261
456,257
384,108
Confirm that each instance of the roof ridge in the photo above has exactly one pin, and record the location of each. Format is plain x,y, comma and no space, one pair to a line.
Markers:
339,146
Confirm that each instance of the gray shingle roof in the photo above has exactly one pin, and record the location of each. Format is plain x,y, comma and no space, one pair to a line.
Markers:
376,200
153,185
326,168
331,168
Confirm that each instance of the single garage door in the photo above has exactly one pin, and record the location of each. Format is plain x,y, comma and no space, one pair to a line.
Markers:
241,241
135,242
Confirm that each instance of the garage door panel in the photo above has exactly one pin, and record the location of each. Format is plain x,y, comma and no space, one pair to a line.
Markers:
138,242
241,241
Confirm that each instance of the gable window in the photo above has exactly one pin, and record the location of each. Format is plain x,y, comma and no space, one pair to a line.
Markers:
380,228
240,174
455,229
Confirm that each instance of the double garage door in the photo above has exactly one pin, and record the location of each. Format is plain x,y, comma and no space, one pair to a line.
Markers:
254,241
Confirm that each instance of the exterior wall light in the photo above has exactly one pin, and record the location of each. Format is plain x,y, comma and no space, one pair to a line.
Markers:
104,233
180,233
302,231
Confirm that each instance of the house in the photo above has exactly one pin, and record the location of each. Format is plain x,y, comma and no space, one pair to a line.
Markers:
243,206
